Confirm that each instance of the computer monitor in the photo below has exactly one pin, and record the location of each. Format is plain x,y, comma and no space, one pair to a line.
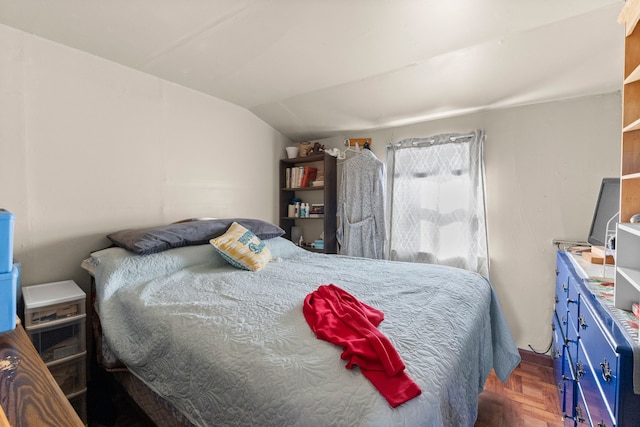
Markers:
608,205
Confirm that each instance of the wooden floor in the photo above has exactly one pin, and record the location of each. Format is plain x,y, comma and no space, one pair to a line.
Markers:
528,399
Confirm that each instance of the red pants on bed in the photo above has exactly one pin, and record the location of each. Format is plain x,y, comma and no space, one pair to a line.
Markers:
338,317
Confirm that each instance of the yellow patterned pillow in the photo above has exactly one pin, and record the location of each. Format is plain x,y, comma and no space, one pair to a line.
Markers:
241,248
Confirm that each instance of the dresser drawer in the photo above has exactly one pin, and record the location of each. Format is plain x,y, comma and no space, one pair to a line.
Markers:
557,351
581,416
60,340
563,318
562,285
571,341
560,357
598,410
70,373
602,357
567,389
573,298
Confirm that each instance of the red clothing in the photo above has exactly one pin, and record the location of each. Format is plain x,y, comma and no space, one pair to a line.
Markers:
338,317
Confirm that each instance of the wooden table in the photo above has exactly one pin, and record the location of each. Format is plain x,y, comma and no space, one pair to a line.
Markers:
29,396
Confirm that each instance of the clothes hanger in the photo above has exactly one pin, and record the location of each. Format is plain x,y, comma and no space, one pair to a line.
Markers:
341,155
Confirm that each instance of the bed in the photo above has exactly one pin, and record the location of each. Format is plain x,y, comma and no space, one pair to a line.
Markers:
218,345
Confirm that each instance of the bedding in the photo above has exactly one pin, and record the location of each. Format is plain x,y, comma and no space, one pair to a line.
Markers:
227,346
151,240
241,248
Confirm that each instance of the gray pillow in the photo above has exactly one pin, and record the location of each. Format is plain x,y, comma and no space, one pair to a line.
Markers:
144,241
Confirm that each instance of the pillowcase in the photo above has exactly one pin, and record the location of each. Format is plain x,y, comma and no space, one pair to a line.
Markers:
242,248
144,241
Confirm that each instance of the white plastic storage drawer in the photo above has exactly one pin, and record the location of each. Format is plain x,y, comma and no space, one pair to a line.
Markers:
50,302
70,373
58,341
79,403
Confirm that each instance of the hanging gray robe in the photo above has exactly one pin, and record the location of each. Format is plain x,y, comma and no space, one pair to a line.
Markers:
361,207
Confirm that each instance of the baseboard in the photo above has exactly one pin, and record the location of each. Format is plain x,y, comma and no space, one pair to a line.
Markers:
537,358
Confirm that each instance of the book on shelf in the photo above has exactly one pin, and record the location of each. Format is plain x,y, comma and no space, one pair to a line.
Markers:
309,174
300,174
303,176
293,177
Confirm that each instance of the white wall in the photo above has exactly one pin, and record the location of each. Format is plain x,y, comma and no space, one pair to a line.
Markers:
89,147
544,164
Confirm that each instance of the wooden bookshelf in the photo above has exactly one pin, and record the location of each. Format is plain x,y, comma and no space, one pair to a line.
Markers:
326,194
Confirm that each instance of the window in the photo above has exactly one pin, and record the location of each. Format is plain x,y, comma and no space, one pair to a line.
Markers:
437,204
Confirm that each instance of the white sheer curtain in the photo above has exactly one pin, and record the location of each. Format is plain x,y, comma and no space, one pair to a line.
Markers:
437,201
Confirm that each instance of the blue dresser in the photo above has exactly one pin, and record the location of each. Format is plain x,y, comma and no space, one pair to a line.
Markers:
592,354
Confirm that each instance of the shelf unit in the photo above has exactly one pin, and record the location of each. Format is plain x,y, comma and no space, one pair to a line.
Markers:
627,280
630,166
627,289
55,320
324,194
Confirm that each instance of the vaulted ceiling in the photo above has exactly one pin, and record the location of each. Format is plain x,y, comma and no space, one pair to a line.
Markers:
313,68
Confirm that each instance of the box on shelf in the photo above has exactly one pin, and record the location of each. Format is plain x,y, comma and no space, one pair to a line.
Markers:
6,241
70,373
317,208
52,301
59,340
8,283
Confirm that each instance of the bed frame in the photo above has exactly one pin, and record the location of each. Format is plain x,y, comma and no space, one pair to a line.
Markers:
158,410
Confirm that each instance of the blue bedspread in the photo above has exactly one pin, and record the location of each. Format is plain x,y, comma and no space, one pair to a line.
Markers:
231,347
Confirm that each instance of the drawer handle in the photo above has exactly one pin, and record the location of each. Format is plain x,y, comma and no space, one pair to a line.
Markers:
602,424
579,416
582,322
557,299
564,320
571,301
553,326
606,371
564,287
580,369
